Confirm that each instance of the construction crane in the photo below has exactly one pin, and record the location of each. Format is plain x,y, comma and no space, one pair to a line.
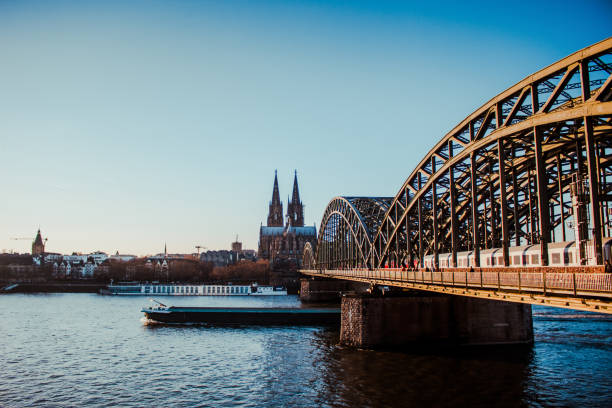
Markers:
198,247
29,239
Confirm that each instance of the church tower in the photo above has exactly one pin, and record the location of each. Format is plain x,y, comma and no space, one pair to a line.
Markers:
295,209
275,215
38,246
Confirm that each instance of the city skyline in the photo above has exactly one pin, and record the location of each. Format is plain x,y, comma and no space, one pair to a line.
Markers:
126,126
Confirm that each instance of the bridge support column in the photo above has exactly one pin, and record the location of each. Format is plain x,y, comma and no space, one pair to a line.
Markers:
383,321
328,290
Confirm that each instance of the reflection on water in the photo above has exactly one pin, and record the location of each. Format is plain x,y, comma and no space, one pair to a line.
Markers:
76,349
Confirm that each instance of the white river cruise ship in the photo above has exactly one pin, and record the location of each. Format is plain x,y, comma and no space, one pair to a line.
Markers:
162,289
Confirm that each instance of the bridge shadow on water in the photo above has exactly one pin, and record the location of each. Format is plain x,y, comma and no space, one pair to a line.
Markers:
424,375
562,368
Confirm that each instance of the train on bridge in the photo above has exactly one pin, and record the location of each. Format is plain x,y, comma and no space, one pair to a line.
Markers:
559,254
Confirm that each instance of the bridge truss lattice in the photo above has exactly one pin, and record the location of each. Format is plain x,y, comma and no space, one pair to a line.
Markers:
500,178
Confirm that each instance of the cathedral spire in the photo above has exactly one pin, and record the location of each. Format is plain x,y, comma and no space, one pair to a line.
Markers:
296,192
275,214
295,209
275,193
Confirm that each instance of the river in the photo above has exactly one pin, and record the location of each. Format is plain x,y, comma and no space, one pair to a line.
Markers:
92,350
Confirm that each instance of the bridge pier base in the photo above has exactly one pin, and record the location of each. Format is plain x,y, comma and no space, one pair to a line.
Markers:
389,321
328,290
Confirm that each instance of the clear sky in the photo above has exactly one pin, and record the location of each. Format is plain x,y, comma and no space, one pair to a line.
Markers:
124,125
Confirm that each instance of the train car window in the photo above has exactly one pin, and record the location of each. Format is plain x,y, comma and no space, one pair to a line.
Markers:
534,259
556,258
500,260
517,259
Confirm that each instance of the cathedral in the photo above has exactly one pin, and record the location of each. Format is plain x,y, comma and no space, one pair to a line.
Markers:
285,240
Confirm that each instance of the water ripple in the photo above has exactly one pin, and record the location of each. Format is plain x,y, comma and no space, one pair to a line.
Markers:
88,350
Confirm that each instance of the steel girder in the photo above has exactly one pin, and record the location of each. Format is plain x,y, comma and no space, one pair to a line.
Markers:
502,176
308,257
347,230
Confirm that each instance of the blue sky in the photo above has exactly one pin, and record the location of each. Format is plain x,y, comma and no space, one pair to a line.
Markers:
124,125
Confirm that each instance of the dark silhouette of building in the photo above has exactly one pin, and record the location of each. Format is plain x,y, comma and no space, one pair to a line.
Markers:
275,214
237,245
278,241
295,209
38,246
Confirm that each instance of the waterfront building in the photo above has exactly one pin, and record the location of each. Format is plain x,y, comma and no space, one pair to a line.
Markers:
98,257
89,269
219,258
247,255
286,241
122,257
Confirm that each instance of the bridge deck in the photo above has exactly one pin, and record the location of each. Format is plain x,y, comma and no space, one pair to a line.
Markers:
573,290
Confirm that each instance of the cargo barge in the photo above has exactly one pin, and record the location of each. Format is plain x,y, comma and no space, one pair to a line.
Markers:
242,316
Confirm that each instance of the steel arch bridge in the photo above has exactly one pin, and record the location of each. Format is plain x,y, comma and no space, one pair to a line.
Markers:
348,228
501,178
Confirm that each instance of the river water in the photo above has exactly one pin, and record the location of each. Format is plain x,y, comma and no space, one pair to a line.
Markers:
92,350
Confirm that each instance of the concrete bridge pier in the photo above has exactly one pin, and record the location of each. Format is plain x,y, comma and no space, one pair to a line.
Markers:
328,290
370,321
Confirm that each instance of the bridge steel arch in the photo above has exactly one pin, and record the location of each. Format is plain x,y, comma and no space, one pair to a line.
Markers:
308,257
347,229
502,176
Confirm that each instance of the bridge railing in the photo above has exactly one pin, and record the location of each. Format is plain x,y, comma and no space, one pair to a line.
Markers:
563,283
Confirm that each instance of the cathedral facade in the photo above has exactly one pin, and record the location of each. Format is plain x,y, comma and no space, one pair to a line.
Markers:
280,239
